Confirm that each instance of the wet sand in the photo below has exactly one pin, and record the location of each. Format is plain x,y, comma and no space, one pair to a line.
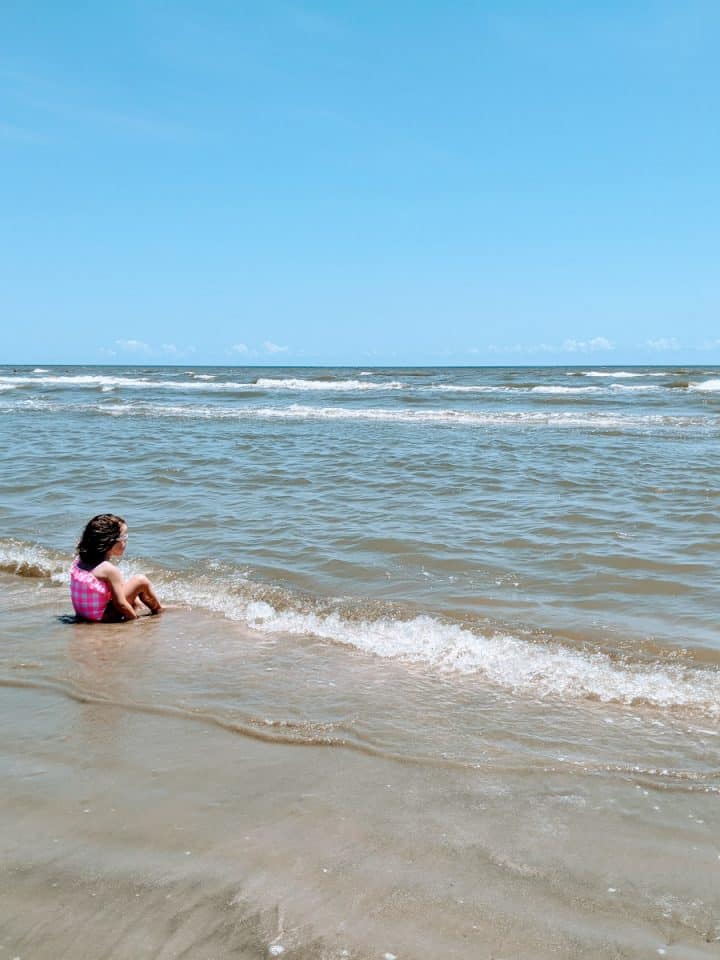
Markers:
133,831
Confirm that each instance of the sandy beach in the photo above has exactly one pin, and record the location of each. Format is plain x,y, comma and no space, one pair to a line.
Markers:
146,829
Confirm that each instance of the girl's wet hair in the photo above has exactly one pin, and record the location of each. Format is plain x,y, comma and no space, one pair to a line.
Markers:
99,536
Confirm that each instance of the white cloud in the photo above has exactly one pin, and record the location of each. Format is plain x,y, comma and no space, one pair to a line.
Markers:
663,343
170,348
587,346
239,348
133,346
711,344
273,347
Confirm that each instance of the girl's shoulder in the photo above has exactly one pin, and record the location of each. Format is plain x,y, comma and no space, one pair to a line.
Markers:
104,570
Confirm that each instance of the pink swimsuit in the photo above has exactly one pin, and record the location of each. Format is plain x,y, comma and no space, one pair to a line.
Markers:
90,596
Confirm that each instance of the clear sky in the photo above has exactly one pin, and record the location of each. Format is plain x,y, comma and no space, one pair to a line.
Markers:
369,181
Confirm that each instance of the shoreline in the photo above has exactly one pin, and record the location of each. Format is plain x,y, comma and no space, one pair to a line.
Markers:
158,834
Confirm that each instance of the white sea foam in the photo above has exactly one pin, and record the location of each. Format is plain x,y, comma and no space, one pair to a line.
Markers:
32,559
552,388
85,380
40,370
524,667
635,387
620,374
537,389
464,417
705,386
200,382
100,380
7,386
297,383
589,419
469,388
521,418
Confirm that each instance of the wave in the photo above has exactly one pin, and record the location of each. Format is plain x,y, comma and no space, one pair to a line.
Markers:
515,390
605,390
635,387
198,382
33,561
593,420
297,383
104,380
551,388
621,374
705,386
538,668
468,388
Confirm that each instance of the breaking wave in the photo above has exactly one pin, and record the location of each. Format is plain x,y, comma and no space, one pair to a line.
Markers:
535,668
705,386
587,419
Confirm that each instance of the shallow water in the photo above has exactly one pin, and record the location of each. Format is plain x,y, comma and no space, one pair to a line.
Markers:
504,574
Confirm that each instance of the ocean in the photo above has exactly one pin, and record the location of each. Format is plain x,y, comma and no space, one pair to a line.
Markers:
449,635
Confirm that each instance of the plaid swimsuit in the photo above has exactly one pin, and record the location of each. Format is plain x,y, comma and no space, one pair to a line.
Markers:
89,595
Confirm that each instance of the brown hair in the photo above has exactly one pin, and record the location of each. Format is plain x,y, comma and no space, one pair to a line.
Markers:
100,535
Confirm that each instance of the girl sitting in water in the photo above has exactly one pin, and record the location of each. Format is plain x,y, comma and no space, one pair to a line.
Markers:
97,588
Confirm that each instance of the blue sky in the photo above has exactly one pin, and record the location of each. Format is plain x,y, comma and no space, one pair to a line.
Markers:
359,182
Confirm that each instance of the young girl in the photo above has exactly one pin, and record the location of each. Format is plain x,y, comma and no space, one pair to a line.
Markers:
97,588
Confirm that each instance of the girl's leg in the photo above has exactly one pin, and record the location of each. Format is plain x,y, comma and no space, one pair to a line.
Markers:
140,588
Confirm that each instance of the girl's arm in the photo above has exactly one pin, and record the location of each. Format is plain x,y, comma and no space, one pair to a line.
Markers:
113,576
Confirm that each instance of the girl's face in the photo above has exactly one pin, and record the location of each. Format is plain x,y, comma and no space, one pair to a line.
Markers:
118,549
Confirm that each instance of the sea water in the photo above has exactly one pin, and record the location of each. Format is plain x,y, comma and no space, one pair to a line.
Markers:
504,570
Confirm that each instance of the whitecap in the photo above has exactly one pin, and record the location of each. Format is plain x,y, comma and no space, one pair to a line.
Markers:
586,419
705,386
620,374
552,388
297,383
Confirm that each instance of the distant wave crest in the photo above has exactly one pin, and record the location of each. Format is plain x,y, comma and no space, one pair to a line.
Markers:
705,386
583,419
298,383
